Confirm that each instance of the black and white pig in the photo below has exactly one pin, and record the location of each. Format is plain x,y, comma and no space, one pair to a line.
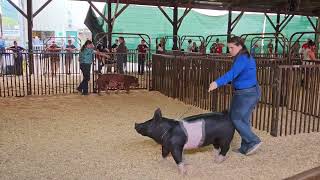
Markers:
192,132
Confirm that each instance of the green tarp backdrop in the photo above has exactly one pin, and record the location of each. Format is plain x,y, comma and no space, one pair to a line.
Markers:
149,20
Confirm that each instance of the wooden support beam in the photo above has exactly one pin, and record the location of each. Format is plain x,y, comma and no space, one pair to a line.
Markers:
229,30
284,20
236,20
175,28
97,10
312,24
18,9
270,21
41,8
165,14
30,46
282,26
277,33
121,10
110,26
186,11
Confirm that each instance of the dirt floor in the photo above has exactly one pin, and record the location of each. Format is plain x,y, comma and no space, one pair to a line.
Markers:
93,137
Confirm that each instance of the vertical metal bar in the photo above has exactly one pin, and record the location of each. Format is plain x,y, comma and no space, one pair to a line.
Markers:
6,77
32,73
282,96
298,99
288,78
316,109
303,99
307,100
40,71
37,68
270,93
64,72
290,107
312,97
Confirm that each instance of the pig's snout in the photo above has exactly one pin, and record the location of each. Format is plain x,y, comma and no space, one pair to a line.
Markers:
137,127
141,129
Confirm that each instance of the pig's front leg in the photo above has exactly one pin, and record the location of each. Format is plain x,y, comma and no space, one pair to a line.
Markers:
222,155
176,153
165,152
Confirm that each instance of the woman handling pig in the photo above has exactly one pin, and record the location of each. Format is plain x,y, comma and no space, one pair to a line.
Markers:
86,58
242,76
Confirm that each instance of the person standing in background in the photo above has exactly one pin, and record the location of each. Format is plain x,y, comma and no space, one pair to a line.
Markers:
142,52
70,49
86,58
122,56
17,55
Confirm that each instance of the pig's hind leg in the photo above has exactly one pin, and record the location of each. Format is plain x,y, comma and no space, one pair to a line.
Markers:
165,152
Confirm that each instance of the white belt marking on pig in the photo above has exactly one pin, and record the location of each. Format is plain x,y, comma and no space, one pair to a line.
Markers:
195,132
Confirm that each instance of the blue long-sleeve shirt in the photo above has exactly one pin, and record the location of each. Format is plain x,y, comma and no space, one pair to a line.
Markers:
86,56
243,73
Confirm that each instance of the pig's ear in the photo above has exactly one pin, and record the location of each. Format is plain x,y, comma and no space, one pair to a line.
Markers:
157,115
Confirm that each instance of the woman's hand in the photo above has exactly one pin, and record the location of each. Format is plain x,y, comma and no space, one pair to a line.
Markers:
213,86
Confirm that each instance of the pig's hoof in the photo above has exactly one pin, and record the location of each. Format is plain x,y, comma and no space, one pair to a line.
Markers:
182,169
219,159
216,152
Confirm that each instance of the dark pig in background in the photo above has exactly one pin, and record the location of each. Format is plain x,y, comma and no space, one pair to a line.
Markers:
192,132
116,81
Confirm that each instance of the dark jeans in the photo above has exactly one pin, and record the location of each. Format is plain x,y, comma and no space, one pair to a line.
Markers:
83,86
120,64
141,65
242,105
100,65
18,65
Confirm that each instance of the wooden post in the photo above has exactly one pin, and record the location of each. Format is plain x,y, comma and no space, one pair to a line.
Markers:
175,28
30,25
317,36
229,27
109,25
277,33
